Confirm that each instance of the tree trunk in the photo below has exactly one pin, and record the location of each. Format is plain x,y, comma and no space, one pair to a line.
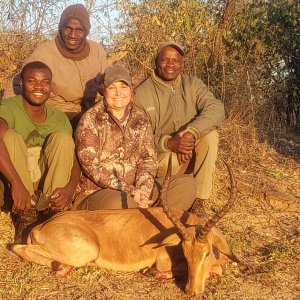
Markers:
227,16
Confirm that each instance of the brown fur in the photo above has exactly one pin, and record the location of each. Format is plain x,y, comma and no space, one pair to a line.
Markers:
127,240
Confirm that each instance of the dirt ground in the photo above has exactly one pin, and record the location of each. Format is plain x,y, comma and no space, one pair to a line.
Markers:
263,230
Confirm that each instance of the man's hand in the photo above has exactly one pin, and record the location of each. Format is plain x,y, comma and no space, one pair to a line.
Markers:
61,199
183,143
141,198
21,198
184,158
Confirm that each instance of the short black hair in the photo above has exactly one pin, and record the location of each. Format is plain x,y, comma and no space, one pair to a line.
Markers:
34,65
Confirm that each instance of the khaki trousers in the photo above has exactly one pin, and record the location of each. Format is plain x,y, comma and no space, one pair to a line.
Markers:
56,162
182,193
202,165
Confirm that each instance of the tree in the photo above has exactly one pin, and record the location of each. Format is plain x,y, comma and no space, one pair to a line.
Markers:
267,33
144,24
25,24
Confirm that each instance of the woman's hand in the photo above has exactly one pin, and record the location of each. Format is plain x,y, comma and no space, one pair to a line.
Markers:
141,198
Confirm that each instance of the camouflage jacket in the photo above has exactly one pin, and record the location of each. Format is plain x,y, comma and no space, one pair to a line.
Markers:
115,156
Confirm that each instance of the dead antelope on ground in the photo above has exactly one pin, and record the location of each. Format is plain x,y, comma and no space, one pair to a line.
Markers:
170,243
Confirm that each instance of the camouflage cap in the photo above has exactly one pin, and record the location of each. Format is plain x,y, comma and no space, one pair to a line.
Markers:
172,44
115,73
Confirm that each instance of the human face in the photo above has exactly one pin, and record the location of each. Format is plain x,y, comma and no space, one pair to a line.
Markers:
36,85
73,35
169,64
118,95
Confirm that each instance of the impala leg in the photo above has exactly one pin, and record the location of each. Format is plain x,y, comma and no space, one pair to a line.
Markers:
31,252
60,270
37,254
170,263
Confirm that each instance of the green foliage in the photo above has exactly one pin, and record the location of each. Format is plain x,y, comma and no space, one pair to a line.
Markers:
256,75
266,38
144,24
25,24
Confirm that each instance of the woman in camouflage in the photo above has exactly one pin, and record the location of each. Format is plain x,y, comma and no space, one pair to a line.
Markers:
116,150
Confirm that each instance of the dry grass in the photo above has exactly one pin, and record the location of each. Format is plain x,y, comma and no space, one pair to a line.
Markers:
262,228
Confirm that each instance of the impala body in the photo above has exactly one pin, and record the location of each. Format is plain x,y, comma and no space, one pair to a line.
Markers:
172,242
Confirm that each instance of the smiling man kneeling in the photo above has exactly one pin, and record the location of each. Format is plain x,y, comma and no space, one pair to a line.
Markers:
37,152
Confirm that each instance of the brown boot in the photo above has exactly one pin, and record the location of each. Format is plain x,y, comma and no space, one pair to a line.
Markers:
23,223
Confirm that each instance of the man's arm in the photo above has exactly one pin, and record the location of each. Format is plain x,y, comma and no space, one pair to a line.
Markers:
211,113
20,195
210,116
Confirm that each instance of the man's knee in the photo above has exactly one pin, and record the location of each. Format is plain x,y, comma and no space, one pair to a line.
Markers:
60,138
208,142
16,147
11,136
182,192
206,154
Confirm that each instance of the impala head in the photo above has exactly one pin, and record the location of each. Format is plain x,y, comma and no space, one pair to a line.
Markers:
201,249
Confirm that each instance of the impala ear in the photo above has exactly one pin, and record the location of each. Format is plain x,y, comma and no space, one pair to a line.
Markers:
170,240
221,244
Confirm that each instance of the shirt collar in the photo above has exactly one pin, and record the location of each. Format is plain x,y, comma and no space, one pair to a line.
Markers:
167,84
